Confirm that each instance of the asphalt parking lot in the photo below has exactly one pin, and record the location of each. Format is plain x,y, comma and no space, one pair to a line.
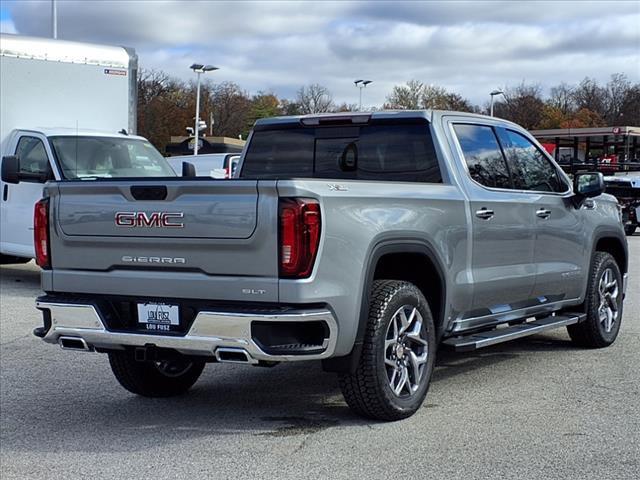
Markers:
537,408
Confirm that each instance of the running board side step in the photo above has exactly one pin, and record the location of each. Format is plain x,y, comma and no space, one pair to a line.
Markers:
474,341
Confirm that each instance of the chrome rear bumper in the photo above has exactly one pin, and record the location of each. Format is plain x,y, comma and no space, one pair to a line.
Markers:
210,331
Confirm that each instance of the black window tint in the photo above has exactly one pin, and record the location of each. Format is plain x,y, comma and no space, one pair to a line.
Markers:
33,156
483,155
372,152
336,157
531,170
404,153
278,153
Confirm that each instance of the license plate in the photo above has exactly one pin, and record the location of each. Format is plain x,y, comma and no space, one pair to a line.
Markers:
158,317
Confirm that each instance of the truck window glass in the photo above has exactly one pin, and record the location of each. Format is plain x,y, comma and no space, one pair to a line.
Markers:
483,155
33,156
531,170
372,152
106,157
277,153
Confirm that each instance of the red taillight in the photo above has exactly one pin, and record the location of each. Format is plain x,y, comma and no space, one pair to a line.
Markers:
299,236
41,233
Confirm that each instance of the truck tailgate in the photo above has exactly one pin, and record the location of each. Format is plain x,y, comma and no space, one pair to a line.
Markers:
179,238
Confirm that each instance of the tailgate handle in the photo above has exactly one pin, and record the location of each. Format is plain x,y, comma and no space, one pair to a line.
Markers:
149,192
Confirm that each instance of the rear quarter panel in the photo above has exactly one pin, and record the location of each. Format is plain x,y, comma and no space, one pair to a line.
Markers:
357,216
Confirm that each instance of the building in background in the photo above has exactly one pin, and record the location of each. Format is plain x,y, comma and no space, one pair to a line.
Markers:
184,145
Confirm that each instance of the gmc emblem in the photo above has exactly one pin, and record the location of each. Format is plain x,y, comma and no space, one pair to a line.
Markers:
152,220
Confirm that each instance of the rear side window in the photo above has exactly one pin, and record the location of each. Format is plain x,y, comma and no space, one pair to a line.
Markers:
530,169
483,155
278,153
372,152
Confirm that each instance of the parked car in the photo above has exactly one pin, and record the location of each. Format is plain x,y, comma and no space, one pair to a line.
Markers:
626,188
215,165
366,241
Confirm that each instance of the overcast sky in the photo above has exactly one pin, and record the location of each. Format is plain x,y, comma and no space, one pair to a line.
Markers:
467,47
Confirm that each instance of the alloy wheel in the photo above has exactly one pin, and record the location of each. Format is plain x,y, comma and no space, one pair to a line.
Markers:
406,351
608,308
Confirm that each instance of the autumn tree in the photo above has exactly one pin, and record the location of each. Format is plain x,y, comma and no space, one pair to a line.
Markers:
552,117
231,108
162,102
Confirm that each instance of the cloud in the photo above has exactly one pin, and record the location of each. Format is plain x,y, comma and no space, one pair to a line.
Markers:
469,47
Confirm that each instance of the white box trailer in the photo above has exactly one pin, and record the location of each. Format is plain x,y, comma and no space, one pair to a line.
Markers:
54,85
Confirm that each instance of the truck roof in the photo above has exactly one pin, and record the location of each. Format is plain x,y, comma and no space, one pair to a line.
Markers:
429,115
72,132
48,49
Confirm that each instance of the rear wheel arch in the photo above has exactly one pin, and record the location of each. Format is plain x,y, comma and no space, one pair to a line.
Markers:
418,265
426,267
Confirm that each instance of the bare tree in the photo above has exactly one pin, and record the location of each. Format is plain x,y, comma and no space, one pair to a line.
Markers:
561,97
406,97
630,109
314,99
616,92
591,96
523,105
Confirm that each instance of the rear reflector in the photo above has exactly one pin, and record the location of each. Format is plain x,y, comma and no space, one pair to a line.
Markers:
299,236
41,233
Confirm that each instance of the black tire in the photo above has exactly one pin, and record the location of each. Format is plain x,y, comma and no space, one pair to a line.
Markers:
154,379
368,391
630,229
593,332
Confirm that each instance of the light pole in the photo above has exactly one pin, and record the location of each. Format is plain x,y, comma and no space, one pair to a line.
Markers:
54,19
199,69
362,84
493,94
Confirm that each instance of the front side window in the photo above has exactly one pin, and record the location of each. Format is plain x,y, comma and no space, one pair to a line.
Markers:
33,156
105,157
530,169
483,155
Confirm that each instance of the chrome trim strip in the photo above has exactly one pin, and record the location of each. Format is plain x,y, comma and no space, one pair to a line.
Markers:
209,330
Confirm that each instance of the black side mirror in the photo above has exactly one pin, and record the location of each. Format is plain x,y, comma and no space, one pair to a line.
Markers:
588,184
11,169
188,169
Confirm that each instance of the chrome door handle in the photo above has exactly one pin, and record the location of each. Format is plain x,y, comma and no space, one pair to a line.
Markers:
484,213
543,213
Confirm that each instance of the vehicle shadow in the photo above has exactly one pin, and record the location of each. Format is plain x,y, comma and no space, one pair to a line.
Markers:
286,401
27,275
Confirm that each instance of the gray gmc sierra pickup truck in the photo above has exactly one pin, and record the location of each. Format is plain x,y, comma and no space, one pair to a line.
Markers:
366,241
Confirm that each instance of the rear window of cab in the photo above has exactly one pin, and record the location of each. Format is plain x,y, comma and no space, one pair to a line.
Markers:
390,152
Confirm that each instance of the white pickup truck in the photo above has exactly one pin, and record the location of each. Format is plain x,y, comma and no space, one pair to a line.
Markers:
52,89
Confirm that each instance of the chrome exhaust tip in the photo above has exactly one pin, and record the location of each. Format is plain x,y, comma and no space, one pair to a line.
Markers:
73,343
234,355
